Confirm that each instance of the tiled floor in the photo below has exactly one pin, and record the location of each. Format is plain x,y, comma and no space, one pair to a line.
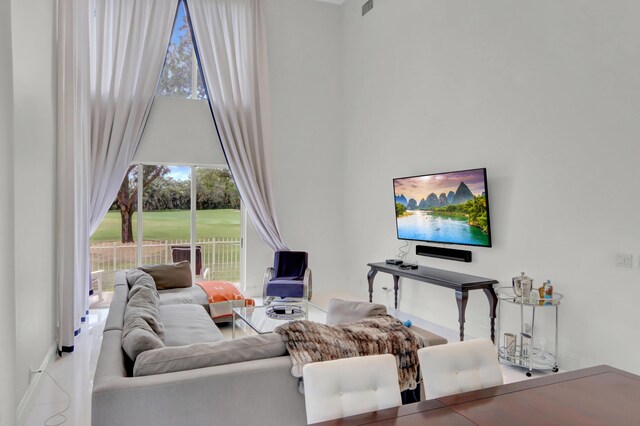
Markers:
74,373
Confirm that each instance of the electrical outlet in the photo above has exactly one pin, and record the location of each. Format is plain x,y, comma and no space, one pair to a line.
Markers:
624,260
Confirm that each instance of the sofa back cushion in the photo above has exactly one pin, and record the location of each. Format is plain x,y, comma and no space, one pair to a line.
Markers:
200,355
177,275
343,311
138,337
142,328
136,277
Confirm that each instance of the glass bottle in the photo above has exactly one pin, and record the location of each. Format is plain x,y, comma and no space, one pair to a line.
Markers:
548,290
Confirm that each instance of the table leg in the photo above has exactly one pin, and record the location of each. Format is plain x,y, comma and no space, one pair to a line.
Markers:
461,298
233,325
396,281
370,276
493,303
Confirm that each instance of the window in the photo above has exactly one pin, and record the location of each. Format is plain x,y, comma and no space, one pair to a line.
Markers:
180,75
172,226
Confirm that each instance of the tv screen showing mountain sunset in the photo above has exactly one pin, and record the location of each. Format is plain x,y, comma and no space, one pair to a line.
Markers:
450,208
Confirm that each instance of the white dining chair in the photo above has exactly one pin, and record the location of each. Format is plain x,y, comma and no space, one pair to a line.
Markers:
350,386
459,367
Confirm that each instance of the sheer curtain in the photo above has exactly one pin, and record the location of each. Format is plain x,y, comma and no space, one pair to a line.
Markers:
231,43
110,55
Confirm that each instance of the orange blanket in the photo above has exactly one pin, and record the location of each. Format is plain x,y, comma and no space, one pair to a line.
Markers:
223,296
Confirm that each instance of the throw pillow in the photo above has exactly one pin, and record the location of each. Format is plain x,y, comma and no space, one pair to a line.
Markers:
200,355
344,311
144,304
138,337
177,275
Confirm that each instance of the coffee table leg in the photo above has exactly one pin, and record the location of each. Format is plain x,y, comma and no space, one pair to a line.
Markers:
461,298
370,276
233,325
493,303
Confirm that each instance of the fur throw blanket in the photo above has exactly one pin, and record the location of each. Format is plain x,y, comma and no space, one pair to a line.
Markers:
309,341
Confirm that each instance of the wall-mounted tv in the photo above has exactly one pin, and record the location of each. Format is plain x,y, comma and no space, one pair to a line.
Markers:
449,208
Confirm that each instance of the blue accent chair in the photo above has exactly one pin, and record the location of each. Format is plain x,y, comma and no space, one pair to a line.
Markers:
289,278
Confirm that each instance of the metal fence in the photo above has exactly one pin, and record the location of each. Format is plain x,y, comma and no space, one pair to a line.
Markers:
221,256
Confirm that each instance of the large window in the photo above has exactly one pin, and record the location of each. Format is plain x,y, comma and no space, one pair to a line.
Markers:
180,75
187,213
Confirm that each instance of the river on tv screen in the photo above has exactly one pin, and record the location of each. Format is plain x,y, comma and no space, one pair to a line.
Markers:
446,208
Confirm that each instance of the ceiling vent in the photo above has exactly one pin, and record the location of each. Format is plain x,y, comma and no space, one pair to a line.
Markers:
367,7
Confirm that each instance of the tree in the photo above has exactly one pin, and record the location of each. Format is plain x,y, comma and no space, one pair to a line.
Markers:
177,72
127,198
216,190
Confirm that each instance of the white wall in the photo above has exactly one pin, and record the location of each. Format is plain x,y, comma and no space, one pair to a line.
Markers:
34,65
545,95
180,131
7,283
306,153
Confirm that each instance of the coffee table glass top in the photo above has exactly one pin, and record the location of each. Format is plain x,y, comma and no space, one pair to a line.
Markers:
256,316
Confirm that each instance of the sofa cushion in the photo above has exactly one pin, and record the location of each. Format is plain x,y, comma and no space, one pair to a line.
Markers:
188,324
138,337
144,304
177,275
193,295
138,277
200,355
343,311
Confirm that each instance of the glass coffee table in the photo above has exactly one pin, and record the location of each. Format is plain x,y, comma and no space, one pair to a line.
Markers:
264,320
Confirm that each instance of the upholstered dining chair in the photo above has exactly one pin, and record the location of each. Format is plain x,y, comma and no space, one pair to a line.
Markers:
289,278
350,386
459,367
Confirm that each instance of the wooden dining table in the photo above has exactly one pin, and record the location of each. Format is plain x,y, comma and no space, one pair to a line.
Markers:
600,395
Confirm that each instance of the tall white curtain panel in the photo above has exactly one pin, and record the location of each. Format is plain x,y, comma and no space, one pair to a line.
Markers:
231,44
110,56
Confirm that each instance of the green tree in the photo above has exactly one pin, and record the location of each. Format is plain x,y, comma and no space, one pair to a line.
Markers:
216,190
127,198
400,209
177,74
477,210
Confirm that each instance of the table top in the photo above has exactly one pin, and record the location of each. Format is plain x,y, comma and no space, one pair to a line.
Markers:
508,295
591,396
256,316
441,277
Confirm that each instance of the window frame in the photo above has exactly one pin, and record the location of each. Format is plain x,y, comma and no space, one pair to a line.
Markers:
193,214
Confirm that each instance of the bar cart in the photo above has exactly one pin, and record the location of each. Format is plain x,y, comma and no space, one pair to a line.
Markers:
521,350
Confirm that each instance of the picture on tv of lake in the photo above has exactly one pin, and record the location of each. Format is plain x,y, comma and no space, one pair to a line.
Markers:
447,208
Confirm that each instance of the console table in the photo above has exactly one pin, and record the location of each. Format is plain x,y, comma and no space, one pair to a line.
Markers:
461,283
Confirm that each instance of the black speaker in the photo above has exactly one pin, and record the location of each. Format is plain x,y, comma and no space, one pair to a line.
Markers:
444,253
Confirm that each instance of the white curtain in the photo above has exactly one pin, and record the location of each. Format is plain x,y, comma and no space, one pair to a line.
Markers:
231,43
110,55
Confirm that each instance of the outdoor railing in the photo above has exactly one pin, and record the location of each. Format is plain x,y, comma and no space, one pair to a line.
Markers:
221,256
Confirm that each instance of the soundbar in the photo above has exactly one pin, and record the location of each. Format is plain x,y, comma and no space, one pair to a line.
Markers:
444,253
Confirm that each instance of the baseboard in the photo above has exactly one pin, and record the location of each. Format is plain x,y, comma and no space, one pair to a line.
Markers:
26,403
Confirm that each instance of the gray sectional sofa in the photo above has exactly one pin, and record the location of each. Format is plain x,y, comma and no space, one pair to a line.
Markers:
196,377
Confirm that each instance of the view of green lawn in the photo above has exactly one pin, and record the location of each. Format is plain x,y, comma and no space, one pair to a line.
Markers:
168,225
173,225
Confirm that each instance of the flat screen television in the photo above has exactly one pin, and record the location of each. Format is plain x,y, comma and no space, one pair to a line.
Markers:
449,208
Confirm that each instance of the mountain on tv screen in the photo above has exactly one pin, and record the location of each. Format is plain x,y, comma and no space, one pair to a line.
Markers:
449,208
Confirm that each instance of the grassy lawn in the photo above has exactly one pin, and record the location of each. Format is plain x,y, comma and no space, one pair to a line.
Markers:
173,225
169,225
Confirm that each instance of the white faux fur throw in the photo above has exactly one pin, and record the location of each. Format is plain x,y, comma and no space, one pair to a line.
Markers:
309,341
